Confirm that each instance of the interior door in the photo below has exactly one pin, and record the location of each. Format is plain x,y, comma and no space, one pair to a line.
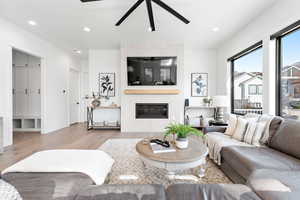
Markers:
34,86
74,97
20,91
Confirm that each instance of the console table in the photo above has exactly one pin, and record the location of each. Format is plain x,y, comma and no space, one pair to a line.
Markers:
205,111
91,125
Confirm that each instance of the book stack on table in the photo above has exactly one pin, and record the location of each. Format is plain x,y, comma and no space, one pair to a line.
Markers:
156,148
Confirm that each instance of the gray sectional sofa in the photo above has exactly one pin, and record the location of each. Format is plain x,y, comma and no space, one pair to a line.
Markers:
271,172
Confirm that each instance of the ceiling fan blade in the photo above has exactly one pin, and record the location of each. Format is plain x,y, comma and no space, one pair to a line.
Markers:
150,13
171,10
85,1
129,12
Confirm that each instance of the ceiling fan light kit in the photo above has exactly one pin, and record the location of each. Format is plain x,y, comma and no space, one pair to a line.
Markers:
150,11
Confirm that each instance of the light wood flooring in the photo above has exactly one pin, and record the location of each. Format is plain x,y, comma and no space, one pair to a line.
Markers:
73,137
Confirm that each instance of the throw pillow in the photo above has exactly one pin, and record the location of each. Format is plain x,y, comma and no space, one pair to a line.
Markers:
231,125
266,119
240,130
260,129
251,128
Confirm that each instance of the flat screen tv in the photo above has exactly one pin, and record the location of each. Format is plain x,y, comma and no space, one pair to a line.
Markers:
155,71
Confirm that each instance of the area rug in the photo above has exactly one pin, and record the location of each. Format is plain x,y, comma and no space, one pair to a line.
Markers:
129,168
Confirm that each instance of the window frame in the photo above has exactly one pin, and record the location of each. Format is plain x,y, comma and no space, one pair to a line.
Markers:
231,60
278,60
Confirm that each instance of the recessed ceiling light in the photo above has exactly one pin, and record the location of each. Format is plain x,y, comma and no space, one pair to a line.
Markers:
87,29
215,29
77,51
32,23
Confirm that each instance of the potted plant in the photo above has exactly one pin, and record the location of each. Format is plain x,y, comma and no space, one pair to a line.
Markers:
182,132
207,101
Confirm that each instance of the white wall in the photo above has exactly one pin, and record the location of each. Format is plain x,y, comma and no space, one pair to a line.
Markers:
199,60
191,61
272,20
84,89
55,68
102,61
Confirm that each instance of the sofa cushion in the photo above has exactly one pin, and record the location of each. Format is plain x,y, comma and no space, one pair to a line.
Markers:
274,126
240,129
122,192
246,160
232,122
287,139
210,192
276,185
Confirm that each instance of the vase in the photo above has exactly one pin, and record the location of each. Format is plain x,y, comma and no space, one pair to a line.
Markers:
182,143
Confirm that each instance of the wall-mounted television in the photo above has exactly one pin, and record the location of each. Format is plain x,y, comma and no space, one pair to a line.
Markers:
155,71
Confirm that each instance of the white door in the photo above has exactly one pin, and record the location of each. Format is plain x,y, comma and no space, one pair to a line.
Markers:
20,91
34,88
74,97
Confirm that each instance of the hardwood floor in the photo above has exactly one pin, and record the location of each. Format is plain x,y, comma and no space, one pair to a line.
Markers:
73,137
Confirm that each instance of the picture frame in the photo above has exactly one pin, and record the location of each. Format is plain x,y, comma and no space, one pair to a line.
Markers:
199,84
106,83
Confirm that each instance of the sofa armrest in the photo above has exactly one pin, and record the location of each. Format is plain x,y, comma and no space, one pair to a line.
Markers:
220,129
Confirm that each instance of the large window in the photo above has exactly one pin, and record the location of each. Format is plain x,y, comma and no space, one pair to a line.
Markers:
247,81
288,72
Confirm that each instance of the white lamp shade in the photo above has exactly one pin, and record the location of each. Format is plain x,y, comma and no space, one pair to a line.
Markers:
220,101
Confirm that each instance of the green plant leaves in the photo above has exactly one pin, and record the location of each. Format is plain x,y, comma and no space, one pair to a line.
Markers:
182,131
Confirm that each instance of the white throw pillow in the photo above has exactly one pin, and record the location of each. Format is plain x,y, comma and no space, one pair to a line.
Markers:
250,132
260,129
240,130
266,120
231,125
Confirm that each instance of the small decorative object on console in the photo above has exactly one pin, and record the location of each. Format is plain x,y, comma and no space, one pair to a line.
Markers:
220,102
207,101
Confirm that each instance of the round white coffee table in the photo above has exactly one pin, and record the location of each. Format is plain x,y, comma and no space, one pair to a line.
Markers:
192,157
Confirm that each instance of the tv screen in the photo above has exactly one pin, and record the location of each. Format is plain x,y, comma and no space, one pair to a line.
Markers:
156,71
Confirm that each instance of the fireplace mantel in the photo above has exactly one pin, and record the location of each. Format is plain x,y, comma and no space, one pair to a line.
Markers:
152,92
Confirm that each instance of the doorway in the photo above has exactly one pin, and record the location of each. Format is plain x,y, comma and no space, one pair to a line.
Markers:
74,96
26,71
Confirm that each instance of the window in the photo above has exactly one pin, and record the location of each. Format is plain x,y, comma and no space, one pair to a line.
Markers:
255,89
288,71
247,80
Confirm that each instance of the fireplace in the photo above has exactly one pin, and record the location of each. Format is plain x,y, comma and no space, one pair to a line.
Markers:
152,111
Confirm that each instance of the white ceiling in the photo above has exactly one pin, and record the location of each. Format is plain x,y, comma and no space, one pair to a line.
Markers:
62,21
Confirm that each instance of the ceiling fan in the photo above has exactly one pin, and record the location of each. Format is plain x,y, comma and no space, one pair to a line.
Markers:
150,11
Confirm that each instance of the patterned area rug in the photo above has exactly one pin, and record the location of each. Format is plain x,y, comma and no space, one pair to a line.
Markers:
129,169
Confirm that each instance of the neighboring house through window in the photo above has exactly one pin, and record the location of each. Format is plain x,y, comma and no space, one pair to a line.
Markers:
247,81
288,71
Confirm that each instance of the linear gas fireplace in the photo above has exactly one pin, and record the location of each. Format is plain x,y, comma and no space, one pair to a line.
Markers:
152,111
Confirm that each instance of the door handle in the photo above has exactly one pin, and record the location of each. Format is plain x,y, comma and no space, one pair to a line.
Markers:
26,91
77,103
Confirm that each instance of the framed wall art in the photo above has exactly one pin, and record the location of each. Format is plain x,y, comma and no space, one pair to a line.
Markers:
107,84
199,84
